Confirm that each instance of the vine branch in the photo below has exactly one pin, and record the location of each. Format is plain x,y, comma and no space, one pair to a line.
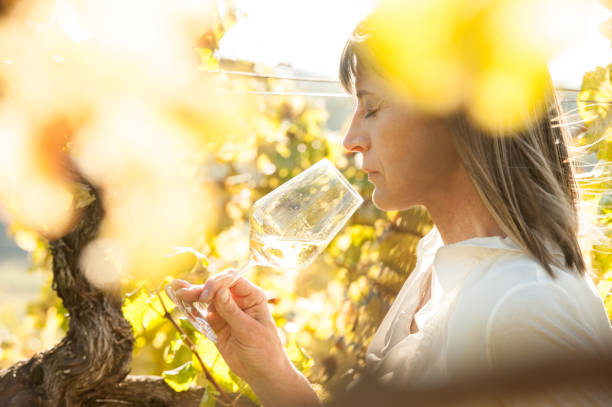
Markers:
193,348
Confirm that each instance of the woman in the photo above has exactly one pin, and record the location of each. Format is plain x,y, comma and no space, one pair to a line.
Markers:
500,280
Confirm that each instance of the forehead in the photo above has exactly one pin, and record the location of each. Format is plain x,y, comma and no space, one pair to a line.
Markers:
365,85
371,85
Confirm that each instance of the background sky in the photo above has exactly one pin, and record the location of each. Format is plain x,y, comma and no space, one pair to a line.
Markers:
310,35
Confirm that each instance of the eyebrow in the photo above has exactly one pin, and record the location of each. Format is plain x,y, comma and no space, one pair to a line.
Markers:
362,93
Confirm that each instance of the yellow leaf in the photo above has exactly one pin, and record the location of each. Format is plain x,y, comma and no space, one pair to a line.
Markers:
358,289
596,86
208,61
134,307
181,378
608,304
298,356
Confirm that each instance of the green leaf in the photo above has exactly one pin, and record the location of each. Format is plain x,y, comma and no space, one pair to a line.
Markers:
219,369
135,306
608,305
604,207
181,378
298,357
153,316
596,87
207,351
207,399
244,388
172,348
359,289
186,325
143,311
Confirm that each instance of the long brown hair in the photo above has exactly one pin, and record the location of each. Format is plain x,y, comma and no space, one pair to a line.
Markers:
526,180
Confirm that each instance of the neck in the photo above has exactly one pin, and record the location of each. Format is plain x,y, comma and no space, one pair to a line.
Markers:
459,213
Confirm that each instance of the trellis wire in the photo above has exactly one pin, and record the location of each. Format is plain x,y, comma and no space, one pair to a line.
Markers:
327,80
268,93
283,77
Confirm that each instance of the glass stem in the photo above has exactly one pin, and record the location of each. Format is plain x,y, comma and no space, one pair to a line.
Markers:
251,262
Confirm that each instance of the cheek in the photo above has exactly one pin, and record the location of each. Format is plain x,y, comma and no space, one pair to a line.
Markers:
396,139
410,152
418,157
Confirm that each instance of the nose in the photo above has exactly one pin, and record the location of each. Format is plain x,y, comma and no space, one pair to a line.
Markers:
356,139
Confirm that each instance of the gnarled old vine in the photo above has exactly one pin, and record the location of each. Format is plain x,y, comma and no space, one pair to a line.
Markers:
90,365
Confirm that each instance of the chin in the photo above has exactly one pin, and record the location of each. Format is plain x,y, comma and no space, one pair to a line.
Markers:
385,202
382,202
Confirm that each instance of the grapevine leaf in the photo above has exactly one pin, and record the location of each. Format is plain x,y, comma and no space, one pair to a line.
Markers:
207,351
244,388
605,207
208,61
181,378
207,400
172,348
596,92
298,356
134,308
219,369
359,289
153,316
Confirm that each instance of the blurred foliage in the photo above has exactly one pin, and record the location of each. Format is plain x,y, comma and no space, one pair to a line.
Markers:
596,184
498,47
45,322
595,108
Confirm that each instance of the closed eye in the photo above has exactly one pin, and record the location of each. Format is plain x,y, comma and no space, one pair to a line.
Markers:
370,113
372,109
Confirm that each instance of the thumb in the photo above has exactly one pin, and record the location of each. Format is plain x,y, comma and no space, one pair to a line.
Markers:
239,322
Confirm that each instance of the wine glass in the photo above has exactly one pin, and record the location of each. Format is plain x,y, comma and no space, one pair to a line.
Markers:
289,227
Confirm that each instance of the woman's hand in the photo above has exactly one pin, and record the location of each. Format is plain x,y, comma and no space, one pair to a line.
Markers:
246,333
248,339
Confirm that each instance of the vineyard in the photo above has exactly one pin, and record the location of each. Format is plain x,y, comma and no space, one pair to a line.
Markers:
119,143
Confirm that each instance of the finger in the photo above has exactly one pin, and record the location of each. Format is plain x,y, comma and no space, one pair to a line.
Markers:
216,282
178,284
247,294
172,288
216,322
241,323
190,294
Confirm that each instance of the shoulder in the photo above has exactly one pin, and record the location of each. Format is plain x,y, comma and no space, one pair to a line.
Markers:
491,282
515,282
538,317
482,290
516,310
527,297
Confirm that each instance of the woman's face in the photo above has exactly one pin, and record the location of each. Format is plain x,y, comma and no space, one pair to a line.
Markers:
410,159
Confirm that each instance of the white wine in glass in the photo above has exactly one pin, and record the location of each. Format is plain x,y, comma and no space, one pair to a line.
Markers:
290,226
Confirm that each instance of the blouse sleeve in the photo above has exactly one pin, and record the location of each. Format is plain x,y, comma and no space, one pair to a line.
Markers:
537,323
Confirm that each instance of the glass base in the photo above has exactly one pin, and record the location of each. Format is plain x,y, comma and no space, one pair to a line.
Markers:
195,313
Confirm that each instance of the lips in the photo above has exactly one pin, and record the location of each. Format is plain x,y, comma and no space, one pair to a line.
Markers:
369,171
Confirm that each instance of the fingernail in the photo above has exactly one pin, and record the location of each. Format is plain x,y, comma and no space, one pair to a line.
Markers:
204,295
178,284
229,275
224,295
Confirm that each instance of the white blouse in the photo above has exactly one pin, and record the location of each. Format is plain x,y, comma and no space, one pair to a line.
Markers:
492,307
